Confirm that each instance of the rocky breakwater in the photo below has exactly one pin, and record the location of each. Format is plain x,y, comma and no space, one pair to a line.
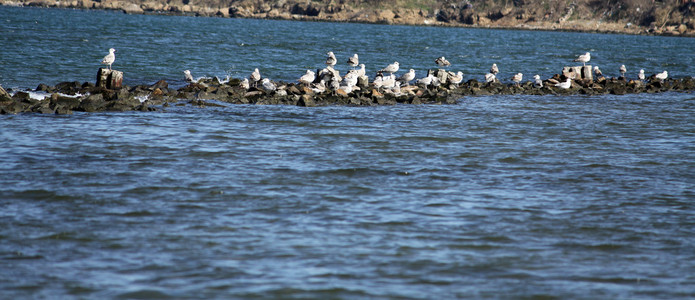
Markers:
67,97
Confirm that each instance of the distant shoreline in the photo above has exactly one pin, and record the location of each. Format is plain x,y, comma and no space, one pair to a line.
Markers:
384,16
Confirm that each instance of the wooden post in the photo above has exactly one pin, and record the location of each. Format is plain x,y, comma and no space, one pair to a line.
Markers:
110,79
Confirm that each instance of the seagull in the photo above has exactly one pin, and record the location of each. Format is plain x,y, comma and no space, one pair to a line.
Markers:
489,77
455,78
109,58
255,77
389,81
597,72
392,68
585,58
442,62
267,85
662,76
334,84
319,87
564,85
361,71
353,61
330,60
350,79
537,82
307,78
378,81
494,70
623,70
641,74
517,78
407,77
427,80
188,76
245,84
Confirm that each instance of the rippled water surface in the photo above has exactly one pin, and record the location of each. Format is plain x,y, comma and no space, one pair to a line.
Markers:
492,197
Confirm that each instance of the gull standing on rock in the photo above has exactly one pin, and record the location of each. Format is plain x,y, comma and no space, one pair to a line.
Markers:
640,76
494,70
565,85
442,62
330,60
517,78
455,78
392,68
361,71
245,84
109,58
353,61
537,82
307,78
623,70
585,58
188,76
255,77
662,76
267,85
489,77
407,77
597,72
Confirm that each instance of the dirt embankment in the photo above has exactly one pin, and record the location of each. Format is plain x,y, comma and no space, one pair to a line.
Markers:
666,17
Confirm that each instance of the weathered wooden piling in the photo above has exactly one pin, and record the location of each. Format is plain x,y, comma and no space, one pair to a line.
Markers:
578,72
110,79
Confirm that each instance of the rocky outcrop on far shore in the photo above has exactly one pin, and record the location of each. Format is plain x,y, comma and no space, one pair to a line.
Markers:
625,16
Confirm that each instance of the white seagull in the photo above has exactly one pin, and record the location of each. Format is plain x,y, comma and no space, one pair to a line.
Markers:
517,78
307,78
392,68
442,62
267,85
455,78
585,58
537,82
330,60
641,74
353,61
597,72
662,76
623,70
494,70
361,71
109,58
489,77
245,84
255,77
407,77
188,76
564,85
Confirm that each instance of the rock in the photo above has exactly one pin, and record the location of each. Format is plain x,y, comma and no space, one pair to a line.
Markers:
307,101
61,103
132,8
162,85
4,96
93,103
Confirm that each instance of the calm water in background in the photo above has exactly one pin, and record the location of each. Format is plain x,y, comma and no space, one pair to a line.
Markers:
505,196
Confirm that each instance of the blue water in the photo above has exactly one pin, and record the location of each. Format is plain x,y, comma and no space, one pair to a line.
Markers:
493,197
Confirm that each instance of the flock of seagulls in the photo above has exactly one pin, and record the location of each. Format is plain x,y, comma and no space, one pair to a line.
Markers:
329,78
